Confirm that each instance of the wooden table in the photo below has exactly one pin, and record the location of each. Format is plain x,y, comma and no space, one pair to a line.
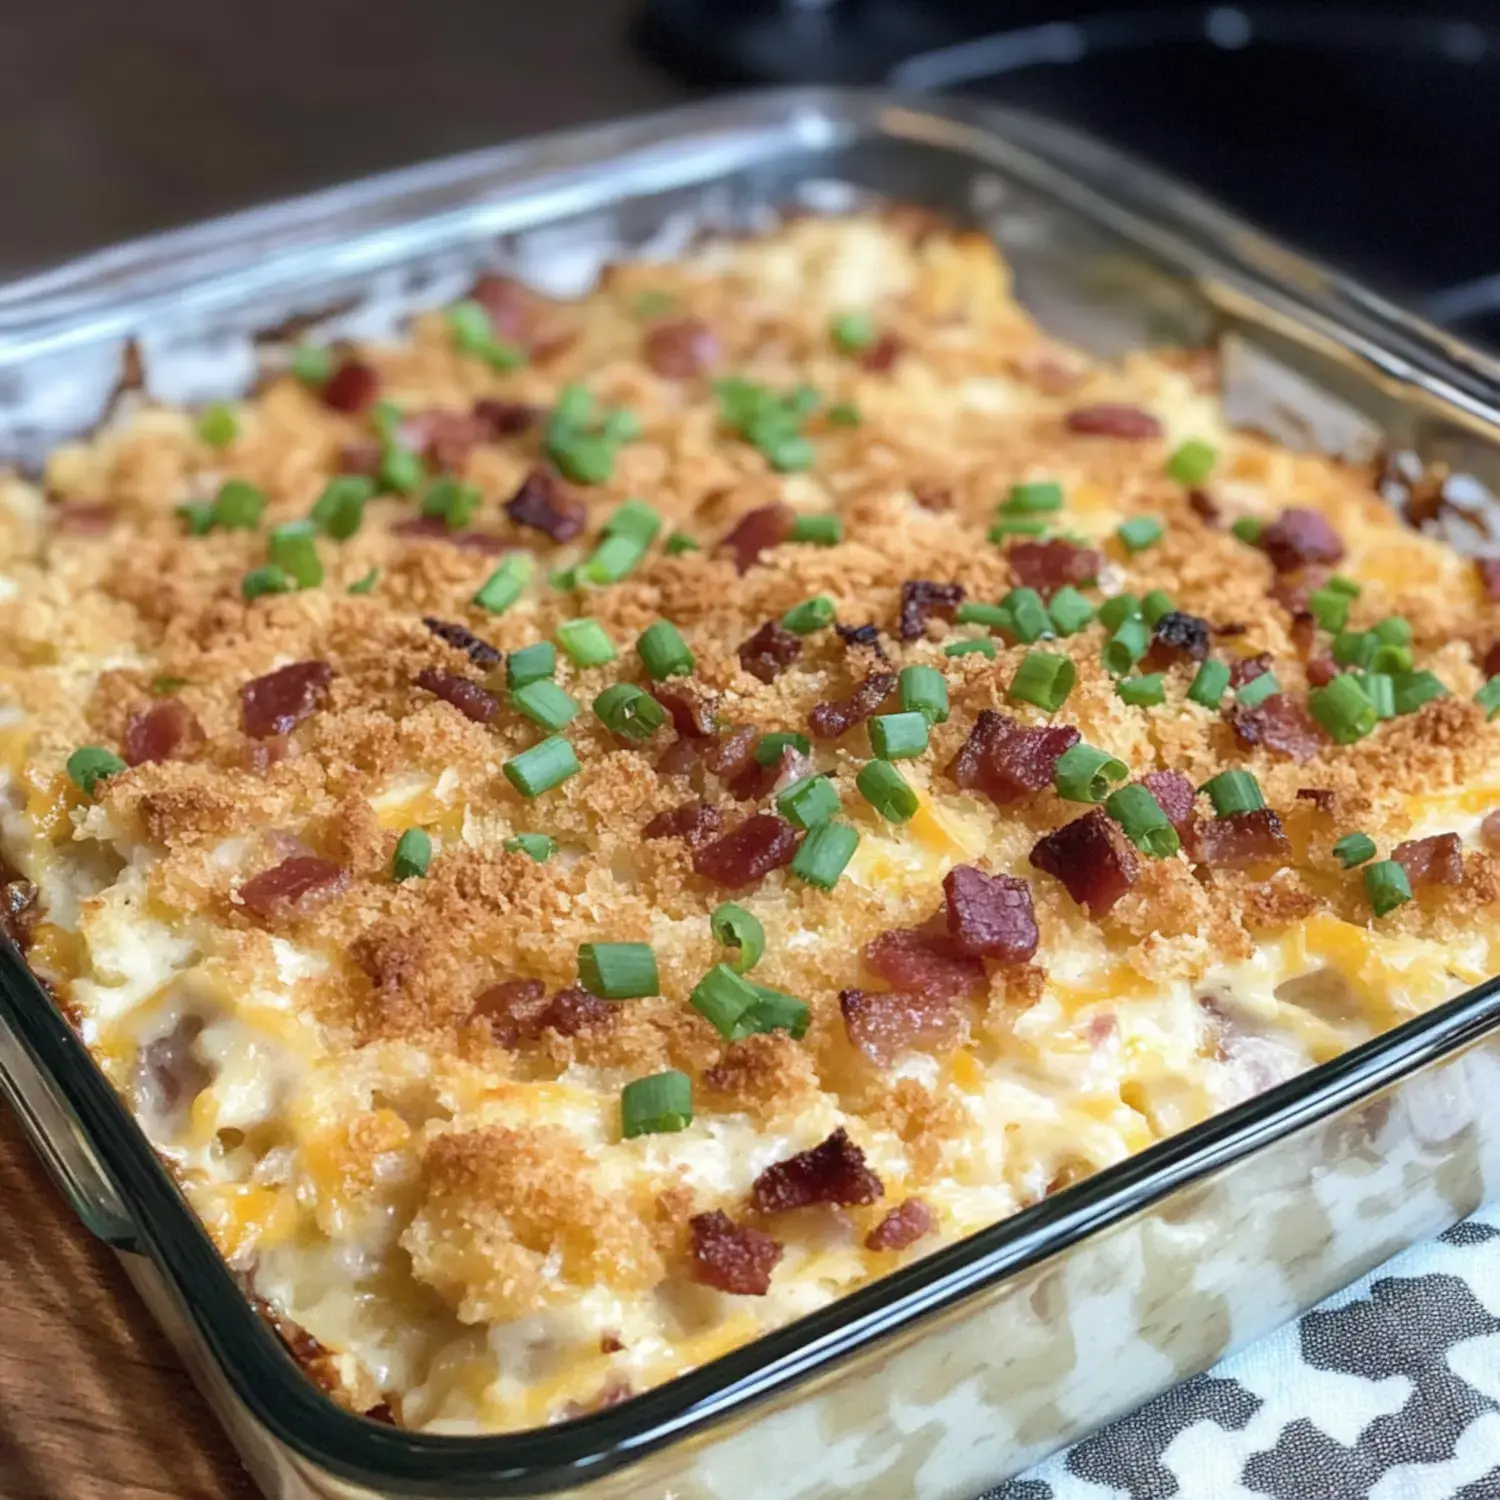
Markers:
117,119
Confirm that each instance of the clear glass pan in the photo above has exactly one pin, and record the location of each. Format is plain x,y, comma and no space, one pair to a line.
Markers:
973,1363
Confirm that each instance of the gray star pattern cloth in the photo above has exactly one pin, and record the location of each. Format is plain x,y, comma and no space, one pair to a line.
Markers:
1388,1391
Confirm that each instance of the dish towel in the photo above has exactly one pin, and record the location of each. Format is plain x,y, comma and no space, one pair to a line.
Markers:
1388,1391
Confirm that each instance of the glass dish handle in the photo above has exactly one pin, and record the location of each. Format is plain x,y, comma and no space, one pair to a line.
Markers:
28,1018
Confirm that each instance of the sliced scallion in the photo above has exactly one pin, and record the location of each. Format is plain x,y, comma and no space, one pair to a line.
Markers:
1233,792
1354,849
659,1105
824,852
734,927
628,712
618,971
413,855
1084,774
542,767
1044,679
886,790
1140,816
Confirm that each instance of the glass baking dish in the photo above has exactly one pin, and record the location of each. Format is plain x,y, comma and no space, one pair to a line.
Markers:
975,1362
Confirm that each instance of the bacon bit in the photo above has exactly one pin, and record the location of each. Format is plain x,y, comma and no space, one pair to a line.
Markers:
1321,797
1049,566
293,888
279,701
508,304
1177,637
1293,591
1112,419
1304,632
1489,830
481,653
445,438
381,1412
866,637
434,528
732,1258
834,717
258,756
734,752
882,354
884,1024
762,843
680,758
1049,374
758,531
507,418
544,505
1321,670
1234,627
616,1388
1298,537
757,781
611,1343
1488,569
463,693
1245,669
990,916
1244,838
1282,724
693,822
512,1010
832,1172
168,730
904,1225
925,964
921,599
1175,796
83,519
934,497
681,349
363,457
1092,858
1491,660
1200,502
351,388
770,651
573,1010
1005,761
1438,860
692,708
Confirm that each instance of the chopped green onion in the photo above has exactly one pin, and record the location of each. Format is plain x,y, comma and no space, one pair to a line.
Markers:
1069,610
663,651
238,506
618,971
1084,774
544,703
1330,607
1129,643
626,711
853,332
1257,690
544,766
1233,792
293,548
584,457
886,790
1139,532
1341,585
898,736
774,1011
843,414
506,584
970,648
1248,529
1142,692
1386,886
218,426
1193,462
658,1105
452,503
1380,689
1156,604
817,613
413,855
1029,618
991,616
582,443
725,1000
267,580
1488,697
538,846
734,927
653,303
1413,689
400,469
586,642
613,559
1394,630
312,365
1390,660
1209,684
1354,849
925,691
769,747
1354,648
340,510
470,326
808,802
196,515
823,853
530,664
385,421
633,518
678,543
1117,609
165,685
365,585
818,531
91,765
1009,526
1343,709
1139,814
1043,678
1036,498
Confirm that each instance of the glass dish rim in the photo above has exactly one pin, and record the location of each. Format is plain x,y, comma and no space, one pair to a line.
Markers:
287,1401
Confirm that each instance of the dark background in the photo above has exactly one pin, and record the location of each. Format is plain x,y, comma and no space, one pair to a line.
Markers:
122,116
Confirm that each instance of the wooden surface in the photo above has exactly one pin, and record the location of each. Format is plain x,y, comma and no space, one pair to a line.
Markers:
115,119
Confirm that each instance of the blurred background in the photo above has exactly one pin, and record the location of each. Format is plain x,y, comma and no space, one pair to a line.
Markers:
1360,130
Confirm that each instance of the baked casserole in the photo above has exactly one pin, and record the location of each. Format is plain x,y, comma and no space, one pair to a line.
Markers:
595,831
